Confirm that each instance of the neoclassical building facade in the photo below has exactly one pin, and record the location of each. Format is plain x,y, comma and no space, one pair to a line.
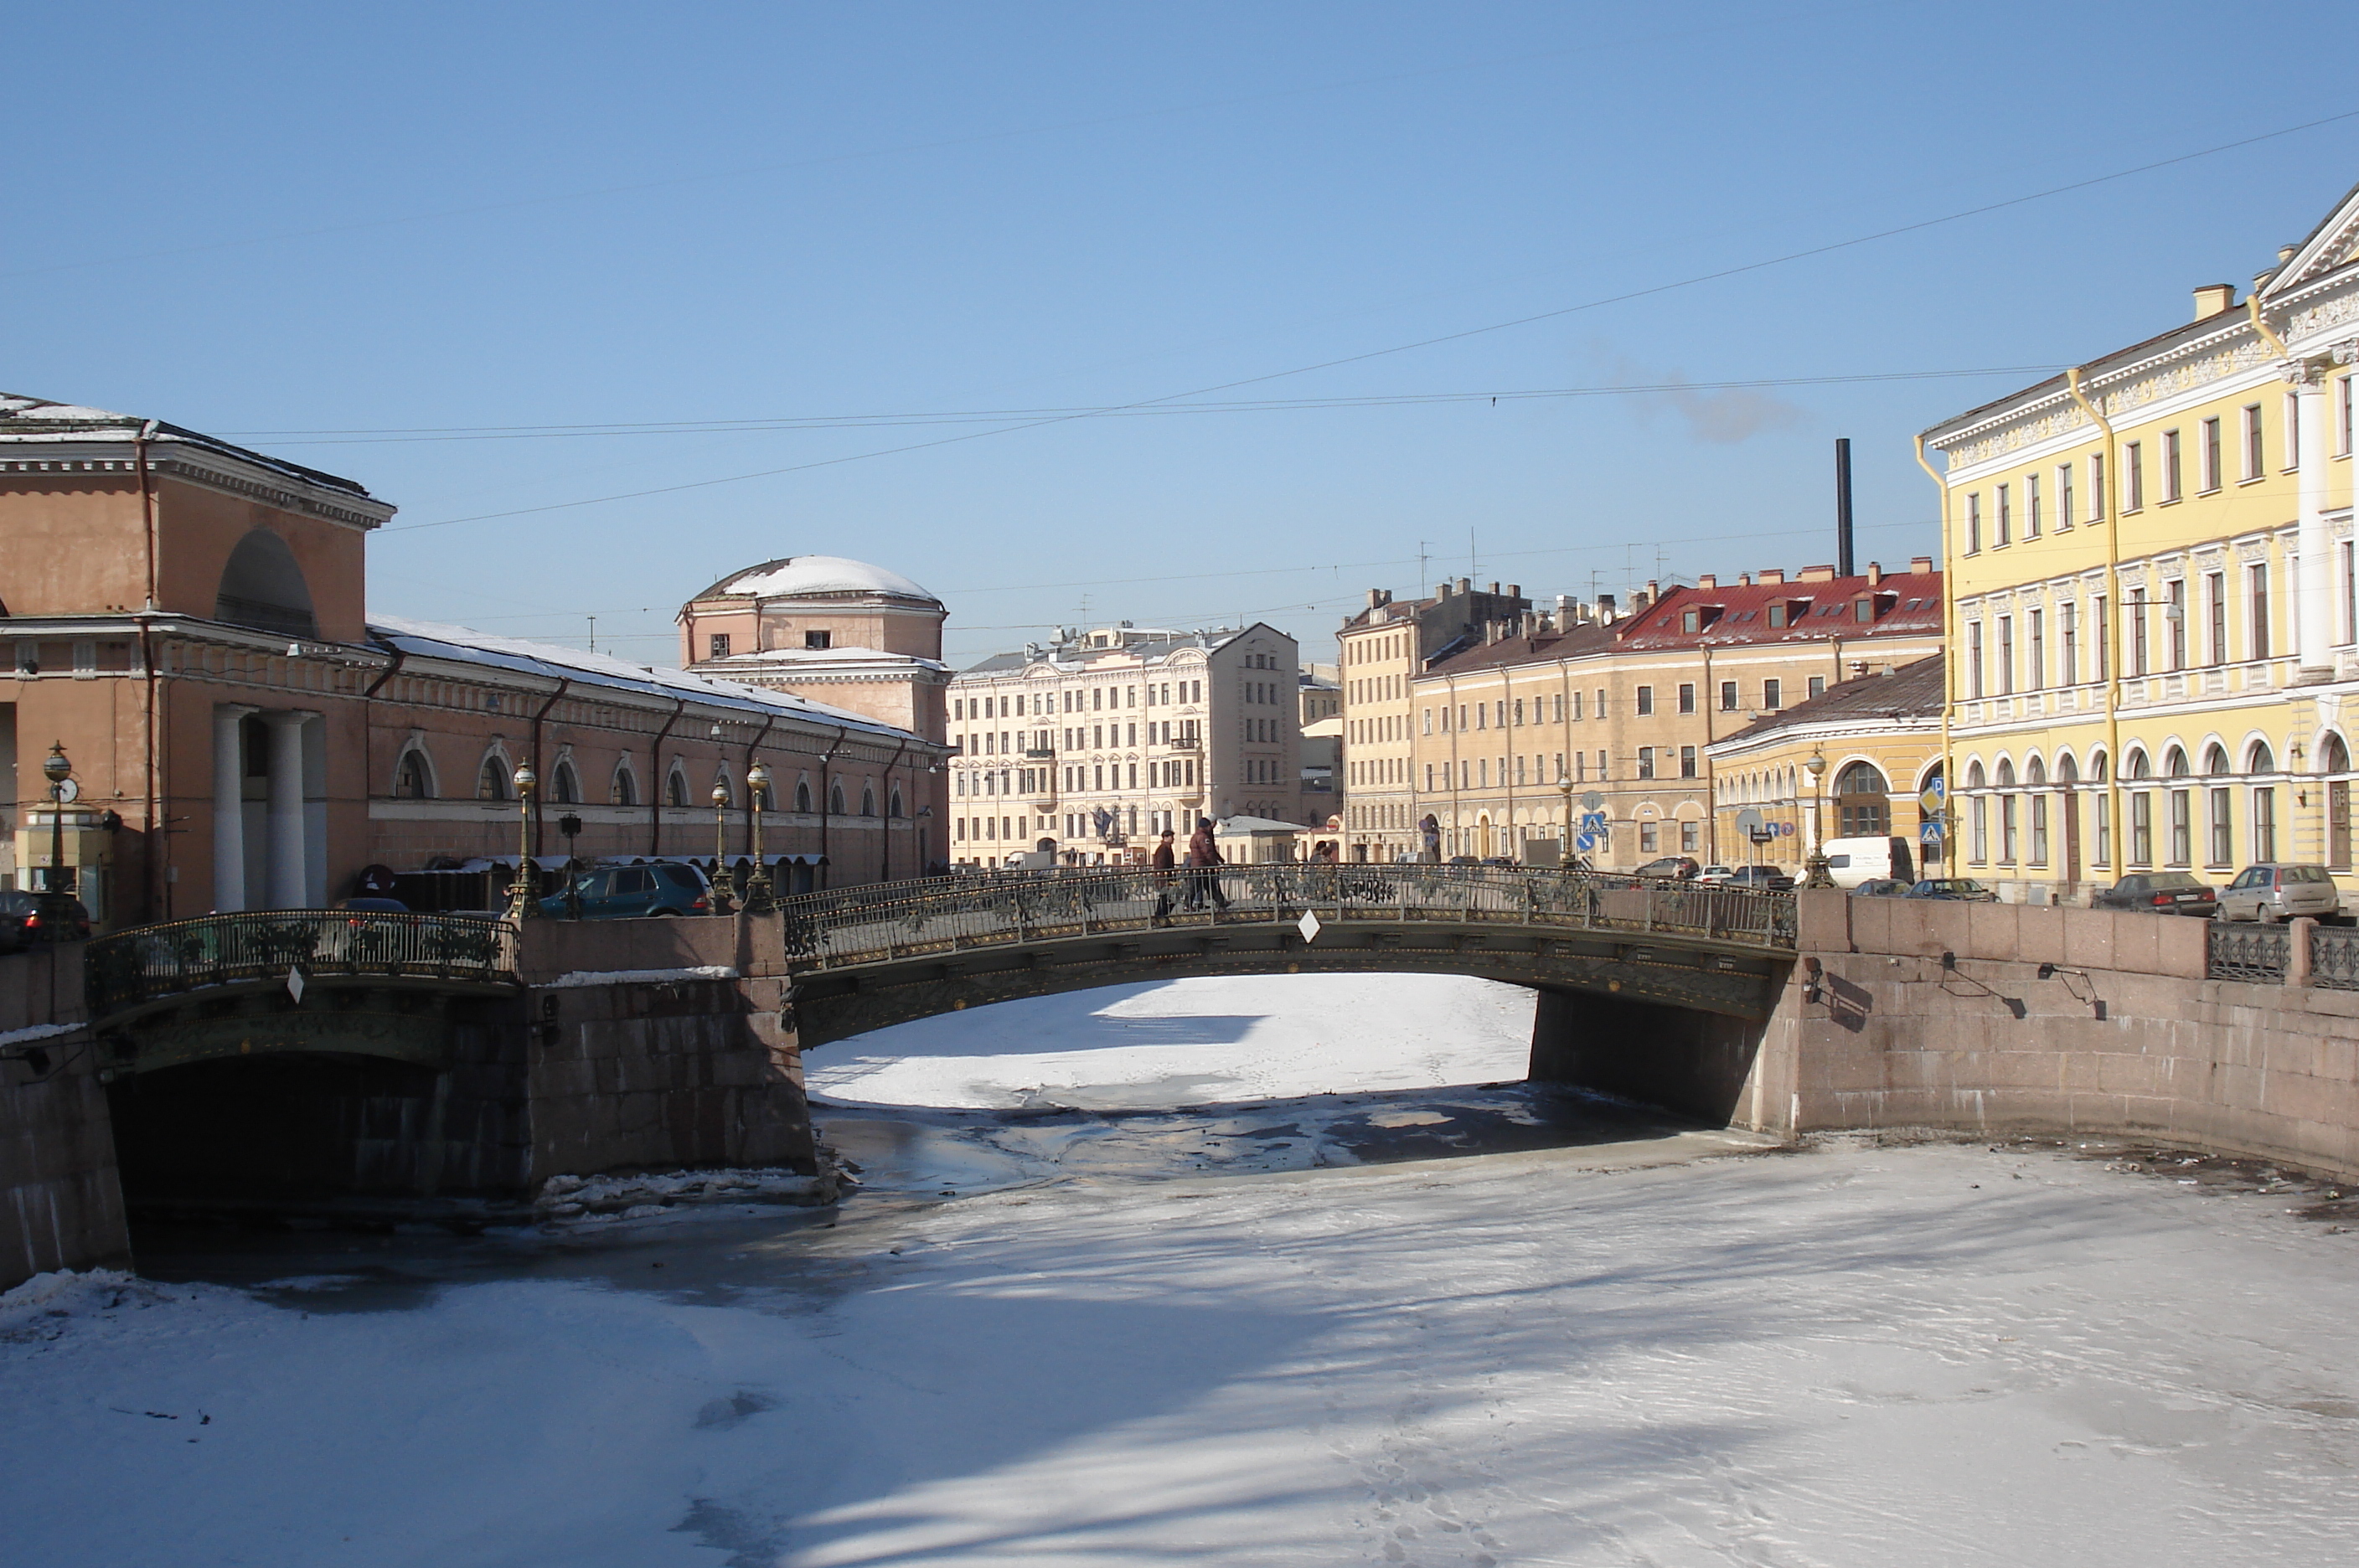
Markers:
2154,637
185,623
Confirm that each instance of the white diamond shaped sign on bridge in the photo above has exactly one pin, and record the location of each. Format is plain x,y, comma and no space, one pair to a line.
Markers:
1309,926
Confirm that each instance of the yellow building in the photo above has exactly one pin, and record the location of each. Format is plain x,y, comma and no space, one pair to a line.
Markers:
2151,618
1855,762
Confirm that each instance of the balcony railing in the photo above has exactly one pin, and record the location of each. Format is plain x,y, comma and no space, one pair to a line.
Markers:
948,915
147,962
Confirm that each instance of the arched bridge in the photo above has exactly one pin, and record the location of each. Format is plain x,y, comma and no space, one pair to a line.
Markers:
864,958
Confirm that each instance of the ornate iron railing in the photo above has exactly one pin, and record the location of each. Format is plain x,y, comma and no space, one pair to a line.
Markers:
876,924
2335,958
2250,953
146,962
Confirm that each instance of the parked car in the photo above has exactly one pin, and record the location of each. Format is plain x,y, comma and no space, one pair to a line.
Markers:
2280,892
2159,892
628,892
1958,889
1758,876
1714,874
27,917
1851,860
1679,867
1880,887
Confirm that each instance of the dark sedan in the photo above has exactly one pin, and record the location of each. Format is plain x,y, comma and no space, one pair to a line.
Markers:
26,918
2160,893
1957,890
1767,876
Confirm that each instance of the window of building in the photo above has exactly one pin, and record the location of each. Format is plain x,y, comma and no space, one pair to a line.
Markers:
2142,828
1645,762
676,789
1771,701
2221,841
2068,672
1687,697
2174,616
411,781
2005,656
2254,461
2137,631
2182,828
1649,840
2031,505
564,784
492,782
2292,431
2265,824
2257,634
1646,700
1818,686
819,639
1600,710
1728,696
2096,487
2343,416
2216,595
1687,762
2208,458
1973,659
2005,516
2134,476
2064,512
719,643
2105,632
2035,652
1974,543
2170,477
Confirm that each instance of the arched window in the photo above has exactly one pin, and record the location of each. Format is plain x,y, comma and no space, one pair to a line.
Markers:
803,796
2216,758
2260,759
262,586
2334,756
1861,778
894,808
835,798
2138,767
868,799
625,788
2174,763
2097,769
492,780
2067,770
2005,780
676,789
2035,773
1974,775
564,784
413,781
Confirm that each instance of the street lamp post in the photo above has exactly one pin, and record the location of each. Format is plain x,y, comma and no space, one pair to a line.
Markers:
1564,788
759,893
724,882
524,893
58,771
1815,870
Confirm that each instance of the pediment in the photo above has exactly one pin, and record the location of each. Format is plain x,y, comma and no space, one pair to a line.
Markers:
2334,243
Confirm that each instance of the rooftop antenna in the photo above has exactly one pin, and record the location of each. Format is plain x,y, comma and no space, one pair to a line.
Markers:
1422,581
593,634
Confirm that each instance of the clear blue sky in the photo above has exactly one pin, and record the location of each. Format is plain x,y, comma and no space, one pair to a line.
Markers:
261,221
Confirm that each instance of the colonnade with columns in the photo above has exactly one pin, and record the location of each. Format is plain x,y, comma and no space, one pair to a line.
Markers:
284,866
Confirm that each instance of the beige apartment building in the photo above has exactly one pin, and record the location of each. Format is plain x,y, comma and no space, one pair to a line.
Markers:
1384,649
1091,746
1535,732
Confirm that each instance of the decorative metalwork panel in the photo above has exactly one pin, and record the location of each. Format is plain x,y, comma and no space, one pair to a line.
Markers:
2250,953
2335,958
894,921
146,963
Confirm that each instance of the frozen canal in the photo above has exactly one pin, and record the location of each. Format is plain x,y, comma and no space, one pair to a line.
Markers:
1315,1331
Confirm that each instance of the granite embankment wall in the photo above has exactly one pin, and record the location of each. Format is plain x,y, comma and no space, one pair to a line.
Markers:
2127,1034
61,1204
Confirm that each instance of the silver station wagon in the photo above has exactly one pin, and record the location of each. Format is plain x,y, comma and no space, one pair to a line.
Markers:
2280,892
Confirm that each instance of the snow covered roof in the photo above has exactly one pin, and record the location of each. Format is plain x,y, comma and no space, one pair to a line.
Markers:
799,576
773,657
430,639
40,422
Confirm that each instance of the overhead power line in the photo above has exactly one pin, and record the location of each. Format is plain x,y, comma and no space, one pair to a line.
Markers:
985,416
1693,280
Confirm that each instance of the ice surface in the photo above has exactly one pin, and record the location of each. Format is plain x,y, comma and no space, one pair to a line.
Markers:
1198,1042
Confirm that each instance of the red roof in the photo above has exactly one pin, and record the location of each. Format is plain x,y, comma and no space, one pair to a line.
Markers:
1900,604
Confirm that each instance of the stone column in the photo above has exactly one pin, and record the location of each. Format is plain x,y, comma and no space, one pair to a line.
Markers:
2314,602
229,808
290,888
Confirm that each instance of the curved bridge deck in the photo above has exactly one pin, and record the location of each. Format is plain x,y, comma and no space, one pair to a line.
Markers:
866,957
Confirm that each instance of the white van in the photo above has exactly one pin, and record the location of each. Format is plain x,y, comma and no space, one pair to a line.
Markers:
1851,861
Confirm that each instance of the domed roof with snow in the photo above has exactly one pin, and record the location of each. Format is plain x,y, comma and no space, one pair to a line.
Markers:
802,576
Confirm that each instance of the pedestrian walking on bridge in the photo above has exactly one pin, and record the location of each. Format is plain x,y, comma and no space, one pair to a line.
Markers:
1204,867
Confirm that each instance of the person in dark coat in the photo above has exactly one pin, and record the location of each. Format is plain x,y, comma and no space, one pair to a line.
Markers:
1163,863
1203,868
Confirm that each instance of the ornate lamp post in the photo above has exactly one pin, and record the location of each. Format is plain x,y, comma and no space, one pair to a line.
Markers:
758,895
1564,788
1815,871
724,882
60,773
524,893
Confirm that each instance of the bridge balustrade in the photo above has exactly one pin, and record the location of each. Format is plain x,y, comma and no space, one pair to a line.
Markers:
894,921
148,962
2250,953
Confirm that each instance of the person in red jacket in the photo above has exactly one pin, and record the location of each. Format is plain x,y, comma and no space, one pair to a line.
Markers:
1203,868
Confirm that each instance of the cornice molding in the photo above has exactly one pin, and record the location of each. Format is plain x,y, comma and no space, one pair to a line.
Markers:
197,465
